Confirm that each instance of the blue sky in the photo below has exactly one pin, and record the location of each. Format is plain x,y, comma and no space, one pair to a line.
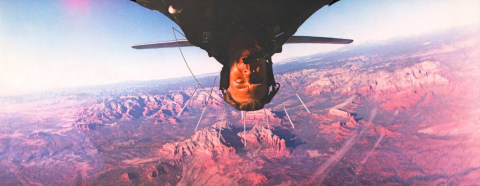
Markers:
55,44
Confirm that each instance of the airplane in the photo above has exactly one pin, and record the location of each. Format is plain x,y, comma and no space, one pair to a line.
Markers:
242,35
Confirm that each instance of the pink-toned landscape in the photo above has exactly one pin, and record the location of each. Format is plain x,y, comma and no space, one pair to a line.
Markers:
403,112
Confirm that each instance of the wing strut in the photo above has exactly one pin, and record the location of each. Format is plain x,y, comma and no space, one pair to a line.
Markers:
300,99
206,104
184,60
285,109
188,101
244,116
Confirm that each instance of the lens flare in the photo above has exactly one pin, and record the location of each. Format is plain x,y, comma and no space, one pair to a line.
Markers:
76,6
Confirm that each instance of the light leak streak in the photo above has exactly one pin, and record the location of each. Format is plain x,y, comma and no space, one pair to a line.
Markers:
344,103
360,166
338,155
374,147
266,117
222,122
244,116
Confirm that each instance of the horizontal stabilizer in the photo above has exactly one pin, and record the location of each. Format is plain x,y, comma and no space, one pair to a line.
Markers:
310,39
166,44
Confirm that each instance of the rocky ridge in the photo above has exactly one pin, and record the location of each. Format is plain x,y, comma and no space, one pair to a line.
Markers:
160,108
210,154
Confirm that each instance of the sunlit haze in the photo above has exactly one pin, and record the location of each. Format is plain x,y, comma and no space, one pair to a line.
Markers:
49,45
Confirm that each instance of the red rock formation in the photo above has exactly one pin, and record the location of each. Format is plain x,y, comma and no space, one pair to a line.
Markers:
207,159
82,126
259,116
162,109
125,177
204,140
339,113
260,136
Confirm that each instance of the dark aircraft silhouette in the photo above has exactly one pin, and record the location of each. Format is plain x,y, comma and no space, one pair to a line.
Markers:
242,35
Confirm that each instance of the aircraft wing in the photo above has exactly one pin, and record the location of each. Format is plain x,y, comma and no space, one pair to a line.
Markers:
292,40
208,24
166,44
310,39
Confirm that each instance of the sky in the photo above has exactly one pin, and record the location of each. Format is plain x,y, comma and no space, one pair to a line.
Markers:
57,44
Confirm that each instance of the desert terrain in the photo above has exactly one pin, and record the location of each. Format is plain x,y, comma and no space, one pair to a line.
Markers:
402,112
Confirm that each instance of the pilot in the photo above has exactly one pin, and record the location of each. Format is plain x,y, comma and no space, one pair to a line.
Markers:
247,80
